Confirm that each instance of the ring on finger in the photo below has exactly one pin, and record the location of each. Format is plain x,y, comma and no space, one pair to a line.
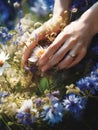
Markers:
72,55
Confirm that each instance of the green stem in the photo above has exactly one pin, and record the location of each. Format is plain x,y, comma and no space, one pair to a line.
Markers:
5,123
92,96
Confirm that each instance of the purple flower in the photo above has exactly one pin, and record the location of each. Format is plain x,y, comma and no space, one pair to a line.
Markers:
39,102
24,118
82,5
54,97
25,113
19,29
56,93
74,104
5,94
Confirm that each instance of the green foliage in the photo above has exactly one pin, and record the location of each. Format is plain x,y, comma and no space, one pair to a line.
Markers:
44,84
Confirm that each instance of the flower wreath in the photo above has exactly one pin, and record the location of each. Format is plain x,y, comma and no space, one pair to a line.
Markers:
28,98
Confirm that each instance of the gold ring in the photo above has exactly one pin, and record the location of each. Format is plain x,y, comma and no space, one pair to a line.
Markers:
72,55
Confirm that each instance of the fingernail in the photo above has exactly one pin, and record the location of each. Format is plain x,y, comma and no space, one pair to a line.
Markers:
44,68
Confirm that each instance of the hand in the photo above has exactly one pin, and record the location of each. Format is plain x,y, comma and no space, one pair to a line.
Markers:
69,47
52,25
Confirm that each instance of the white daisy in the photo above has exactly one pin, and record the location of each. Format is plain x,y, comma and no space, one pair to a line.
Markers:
3,64
27,106
37,53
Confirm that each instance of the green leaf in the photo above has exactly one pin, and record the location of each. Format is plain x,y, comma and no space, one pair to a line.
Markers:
44,84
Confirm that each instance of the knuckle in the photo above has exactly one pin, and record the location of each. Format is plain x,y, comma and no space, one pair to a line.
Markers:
73,41
52,48
84,50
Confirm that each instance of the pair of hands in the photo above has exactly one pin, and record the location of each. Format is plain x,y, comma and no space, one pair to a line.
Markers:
68,48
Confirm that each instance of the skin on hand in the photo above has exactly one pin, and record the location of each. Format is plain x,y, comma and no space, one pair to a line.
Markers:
73,40
59,7
52,25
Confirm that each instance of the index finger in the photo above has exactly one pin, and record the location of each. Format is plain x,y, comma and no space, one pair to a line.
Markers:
53,48
27,52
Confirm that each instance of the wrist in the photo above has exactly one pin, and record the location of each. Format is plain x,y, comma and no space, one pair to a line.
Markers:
60,6
89,18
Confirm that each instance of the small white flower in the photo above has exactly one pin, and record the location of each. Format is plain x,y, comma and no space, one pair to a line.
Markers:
26,106
37,53
3,64
16,5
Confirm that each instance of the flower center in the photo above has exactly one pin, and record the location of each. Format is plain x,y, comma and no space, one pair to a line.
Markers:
1,63
39,53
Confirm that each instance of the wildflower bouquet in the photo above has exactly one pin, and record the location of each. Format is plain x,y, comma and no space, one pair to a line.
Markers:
31,100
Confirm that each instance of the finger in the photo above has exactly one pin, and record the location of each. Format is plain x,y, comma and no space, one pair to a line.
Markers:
65,62
59,55
34,38
53,48
55,59
31,43
46,67
78,59
70,56
27,52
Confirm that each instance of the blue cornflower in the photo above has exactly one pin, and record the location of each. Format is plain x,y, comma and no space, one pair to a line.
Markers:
24,118
53,114
5,35
95,68
89,84
74,104
95,50
94,73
